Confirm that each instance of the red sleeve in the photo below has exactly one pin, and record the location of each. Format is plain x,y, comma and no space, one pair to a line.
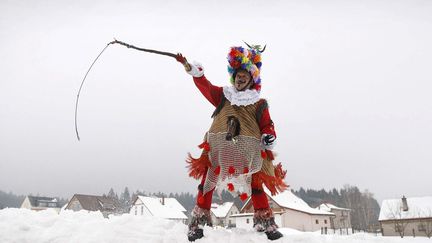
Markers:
266,124
211,92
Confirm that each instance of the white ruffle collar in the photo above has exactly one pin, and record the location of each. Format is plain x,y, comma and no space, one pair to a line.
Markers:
241,98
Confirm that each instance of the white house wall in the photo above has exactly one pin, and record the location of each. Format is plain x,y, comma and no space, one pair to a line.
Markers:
140,210
303,221
278,219
296,220
233,210
26,203
323,222
244,222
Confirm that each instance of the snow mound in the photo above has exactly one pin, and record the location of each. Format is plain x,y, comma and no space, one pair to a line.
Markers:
22,225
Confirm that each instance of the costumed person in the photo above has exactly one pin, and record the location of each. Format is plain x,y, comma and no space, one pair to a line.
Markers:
237,149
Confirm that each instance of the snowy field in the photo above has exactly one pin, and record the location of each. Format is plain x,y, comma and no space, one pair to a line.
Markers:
22,225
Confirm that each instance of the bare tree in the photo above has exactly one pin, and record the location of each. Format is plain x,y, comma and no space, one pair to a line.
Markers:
426,222
395,213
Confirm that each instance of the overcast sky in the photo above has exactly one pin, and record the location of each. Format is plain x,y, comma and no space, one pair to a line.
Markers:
348,83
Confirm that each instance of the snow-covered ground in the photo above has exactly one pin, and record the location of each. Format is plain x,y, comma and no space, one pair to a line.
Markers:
22,225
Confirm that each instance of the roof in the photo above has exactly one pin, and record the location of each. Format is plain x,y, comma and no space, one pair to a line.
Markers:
97,203
328,207
221,211
34,201
418,207
168,210
287,199
172,203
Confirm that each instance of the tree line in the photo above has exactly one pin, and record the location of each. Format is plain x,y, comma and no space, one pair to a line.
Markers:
364,207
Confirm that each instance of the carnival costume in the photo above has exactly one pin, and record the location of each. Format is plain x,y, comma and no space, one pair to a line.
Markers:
237,149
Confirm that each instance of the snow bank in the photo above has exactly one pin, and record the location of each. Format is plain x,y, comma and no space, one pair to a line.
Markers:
22,225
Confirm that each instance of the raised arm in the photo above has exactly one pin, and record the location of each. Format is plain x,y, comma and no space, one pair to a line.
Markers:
212,93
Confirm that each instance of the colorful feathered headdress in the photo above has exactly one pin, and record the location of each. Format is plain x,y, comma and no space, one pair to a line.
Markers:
247,59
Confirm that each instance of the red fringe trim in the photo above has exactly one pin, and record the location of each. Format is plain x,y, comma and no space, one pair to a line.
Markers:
197,167
205,145
275,183
279,172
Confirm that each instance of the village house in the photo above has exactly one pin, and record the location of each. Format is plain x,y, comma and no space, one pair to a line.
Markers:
41,203
290,211
221,214
406,217
343,216
103,204
166,208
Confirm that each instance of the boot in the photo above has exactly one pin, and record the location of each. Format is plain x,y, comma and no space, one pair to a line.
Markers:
200,217
264,222
195,234
273,234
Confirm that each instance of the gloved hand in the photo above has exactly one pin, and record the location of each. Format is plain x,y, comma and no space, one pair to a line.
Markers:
268,141
195,69
181,59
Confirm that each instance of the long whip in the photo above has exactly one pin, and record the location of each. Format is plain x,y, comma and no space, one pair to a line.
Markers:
128,46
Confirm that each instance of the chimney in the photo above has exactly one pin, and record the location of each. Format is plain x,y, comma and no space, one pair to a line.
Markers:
404,204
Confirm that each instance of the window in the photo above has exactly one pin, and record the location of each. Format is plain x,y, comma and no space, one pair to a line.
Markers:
42,204
136,210
325,221
142,210
247,221
316,221
107,206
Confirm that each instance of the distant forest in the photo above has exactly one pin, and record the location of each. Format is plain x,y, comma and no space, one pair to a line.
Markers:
364,207
10,200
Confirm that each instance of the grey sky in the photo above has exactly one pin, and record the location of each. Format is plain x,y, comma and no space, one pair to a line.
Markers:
348,83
